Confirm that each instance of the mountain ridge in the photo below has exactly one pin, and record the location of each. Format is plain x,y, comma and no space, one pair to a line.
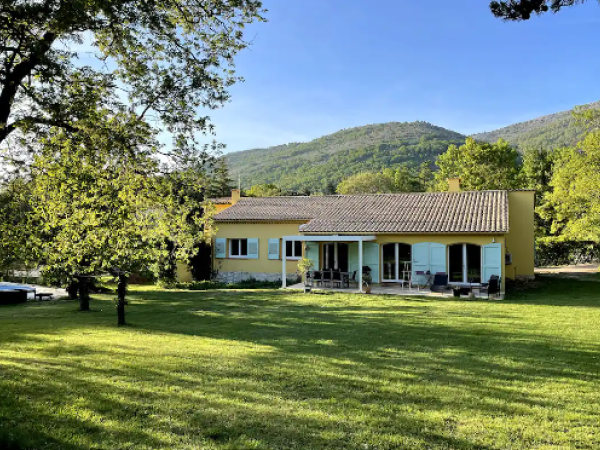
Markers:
373,147
333,157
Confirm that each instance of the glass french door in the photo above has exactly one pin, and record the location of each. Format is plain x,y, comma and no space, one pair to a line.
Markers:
396,262
464,262
335,256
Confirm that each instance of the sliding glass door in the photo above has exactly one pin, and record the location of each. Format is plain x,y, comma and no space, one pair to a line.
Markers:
464,263
335,256
396,261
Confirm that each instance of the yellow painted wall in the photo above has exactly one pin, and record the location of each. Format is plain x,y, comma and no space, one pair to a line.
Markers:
263,232
477,239
445,239
520,240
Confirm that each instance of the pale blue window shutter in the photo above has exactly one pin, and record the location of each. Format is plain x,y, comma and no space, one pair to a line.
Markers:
437,259
273,248
420,260
220,248
371,259
491,261
252,248
313,254
353,258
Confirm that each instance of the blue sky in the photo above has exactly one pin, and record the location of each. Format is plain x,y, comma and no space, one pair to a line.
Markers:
318,66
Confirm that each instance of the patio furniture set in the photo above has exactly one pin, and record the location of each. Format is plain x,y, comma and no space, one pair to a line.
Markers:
424,281
331,278
439,283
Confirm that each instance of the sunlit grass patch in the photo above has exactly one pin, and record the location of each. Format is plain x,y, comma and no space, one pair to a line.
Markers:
277,370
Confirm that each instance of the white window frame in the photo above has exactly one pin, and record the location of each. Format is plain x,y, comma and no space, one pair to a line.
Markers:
294,257
239,240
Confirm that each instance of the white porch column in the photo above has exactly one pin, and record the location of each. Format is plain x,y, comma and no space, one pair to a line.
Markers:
465,264
360,265
283,262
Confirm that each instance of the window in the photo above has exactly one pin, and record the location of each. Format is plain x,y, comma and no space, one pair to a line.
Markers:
293,249
238,248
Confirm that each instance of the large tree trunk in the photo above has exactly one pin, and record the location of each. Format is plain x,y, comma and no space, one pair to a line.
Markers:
84,294
121,291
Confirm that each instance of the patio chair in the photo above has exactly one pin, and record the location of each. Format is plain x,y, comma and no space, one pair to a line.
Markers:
336,278
491,287
317,277
309,279
352,279
422,279
440,282
327,278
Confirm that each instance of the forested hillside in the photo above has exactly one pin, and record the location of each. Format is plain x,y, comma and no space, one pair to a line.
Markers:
552,131
334,157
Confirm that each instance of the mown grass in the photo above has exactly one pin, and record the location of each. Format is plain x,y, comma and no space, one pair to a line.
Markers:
277,370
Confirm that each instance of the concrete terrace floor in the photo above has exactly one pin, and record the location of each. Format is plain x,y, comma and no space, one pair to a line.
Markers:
394,290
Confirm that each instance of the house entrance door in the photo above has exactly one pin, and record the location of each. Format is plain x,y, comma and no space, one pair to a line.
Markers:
335,255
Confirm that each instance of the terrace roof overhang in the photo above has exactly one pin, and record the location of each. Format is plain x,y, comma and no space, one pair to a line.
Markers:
330,238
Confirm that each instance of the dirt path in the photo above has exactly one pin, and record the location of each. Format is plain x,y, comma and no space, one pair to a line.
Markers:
571,270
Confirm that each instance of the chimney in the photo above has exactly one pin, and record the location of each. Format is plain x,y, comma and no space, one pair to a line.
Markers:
453,184
235,196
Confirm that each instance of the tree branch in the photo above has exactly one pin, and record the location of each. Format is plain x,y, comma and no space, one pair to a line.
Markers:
16,77
30,120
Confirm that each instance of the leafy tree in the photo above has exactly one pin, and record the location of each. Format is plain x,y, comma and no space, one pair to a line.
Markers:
98,206
538,165
406,180
328,188
402,179
187,188
367,183
573,204
169,59
523,9
425,176
264,190
480,166
14,207
220,183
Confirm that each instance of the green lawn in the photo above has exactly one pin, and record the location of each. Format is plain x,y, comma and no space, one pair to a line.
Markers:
273,370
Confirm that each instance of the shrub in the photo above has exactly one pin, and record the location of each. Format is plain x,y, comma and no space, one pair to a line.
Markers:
566,253
250,283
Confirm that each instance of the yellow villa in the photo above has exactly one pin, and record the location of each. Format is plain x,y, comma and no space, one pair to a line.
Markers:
470,236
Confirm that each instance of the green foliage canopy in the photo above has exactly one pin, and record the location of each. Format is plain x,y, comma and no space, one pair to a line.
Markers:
264,190
403,179
14,206
523,9
332,158
480,166
573,204
366,183
168,59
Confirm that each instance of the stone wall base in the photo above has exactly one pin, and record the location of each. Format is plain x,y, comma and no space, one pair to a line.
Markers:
234,277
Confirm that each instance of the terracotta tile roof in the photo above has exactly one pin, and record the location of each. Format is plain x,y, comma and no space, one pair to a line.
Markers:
220,200
439,212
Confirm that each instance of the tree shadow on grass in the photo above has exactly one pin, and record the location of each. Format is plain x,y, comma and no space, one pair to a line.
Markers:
264,413
548,290
274,370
